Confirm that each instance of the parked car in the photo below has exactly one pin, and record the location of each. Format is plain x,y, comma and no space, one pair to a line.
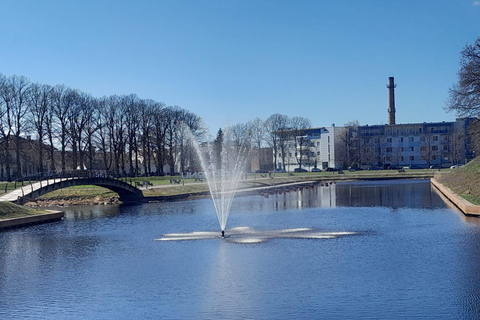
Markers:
373,168
414,166
316,170
435,166
354,168
331,169
456,166
393,167
299,170
280,171
261,171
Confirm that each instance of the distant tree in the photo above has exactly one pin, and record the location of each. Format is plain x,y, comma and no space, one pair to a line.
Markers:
276,127
349,151
428,147
256,128
39,101
217,148
302,144
464,96
63,100
15,94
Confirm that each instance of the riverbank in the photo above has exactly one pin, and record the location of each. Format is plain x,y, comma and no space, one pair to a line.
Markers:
465,206
14,216
464,181
159,189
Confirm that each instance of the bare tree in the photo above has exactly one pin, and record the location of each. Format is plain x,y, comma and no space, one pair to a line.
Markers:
40,101
5,125
64,99
428,147
349,144
464,96
298,125
276,127
14,94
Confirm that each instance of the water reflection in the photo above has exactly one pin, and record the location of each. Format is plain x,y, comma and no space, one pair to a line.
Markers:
393,194
416,259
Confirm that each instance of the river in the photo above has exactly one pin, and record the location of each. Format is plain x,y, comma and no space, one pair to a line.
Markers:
405,254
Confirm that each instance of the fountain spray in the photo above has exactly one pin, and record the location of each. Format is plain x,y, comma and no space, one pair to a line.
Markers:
223,165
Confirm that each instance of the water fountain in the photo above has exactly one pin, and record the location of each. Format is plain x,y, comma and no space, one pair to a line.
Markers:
224,164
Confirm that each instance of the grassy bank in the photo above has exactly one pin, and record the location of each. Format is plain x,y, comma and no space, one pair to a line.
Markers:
9,211
163,187
464,181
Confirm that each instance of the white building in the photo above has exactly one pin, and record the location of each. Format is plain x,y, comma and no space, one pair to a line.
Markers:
314,148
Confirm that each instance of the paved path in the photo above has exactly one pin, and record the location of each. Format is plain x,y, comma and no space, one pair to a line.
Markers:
27,189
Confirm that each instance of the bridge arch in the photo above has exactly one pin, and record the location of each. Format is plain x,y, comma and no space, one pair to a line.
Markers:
126,192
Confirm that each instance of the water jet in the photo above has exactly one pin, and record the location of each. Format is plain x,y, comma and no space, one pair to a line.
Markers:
223,163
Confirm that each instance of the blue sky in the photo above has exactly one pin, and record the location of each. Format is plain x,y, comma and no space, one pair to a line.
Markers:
231,61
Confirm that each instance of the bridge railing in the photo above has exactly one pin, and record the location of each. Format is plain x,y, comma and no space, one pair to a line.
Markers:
54,177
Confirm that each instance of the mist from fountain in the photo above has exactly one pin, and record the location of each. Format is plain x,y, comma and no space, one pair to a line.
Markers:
224,165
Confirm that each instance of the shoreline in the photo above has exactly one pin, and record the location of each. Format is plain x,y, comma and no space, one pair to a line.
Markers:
466,207
29,220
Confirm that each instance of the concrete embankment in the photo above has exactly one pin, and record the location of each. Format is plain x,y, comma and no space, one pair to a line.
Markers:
465,206
31,220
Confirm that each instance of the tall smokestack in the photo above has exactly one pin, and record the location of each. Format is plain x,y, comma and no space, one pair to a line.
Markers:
391,100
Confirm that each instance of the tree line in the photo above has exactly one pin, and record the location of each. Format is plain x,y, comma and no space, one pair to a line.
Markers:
130,135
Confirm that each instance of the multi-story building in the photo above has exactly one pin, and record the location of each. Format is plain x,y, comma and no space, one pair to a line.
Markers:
419,145
314,148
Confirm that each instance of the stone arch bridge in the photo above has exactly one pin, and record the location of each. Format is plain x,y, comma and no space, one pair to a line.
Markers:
33,189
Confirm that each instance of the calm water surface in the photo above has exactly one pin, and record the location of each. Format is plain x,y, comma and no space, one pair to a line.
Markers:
413,257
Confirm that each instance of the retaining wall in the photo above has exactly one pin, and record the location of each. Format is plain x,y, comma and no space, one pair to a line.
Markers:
465,206
31,220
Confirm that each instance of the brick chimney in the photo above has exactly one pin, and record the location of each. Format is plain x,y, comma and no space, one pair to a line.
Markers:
391,100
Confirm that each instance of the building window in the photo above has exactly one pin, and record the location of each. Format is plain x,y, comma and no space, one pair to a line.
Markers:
388,159
388,149
446,148
422,138
402,158
412,149
412,158
423,148
318,153
410,139
401,139
435,138
389,139
445,138
434,157
434,148
419,130
402,149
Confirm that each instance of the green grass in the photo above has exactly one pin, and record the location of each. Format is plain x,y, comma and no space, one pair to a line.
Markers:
79,192
464,181
10,210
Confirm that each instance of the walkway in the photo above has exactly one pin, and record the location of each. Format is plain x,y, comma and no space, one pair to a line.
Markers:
126,192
